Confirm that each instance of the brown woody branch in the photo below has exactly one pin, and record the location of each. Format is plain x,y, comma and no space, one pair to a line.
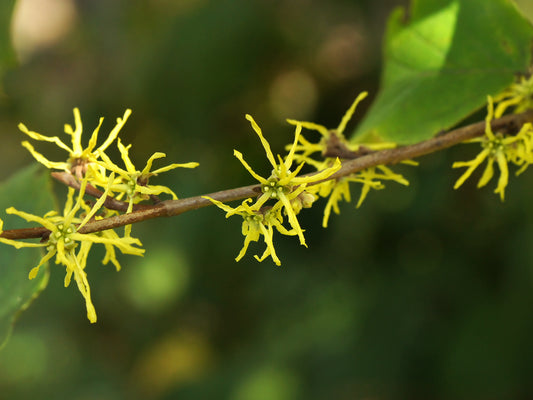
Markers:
168,208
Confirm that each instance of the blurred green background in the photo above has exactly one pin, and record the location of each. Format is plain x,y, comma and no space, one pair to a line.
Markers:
424,292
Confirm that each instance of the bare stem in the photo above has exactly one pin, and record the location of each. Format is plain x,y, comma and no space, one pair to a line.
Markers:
168,208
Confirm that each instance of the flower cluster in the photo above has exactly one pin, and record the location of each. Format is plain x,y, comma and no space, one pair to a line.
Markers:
281,197
502,149
80,161
133,184
70,247
284,193
333,143
519,95
90,167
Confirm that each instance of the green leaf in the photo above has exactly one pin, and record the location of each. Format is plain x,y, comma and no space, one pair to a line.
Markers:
440,67
28,190
526,6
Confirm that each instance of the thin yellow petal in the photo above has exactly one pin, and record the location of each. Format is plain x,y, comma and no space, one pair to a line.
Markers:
153,157
324,174
83,286
504,175
270,250
108,164
35,270
38,136
264,142
155,190
124,244
94,138
290,156
98,204
348,115
502,106
488,119
390,175
290,179
110,255
473,164
76,134
124,153
293,220
488,173
239,156
18,245
31,218
70,214
311,126
364,191
70,201
43,160
114,133
219,204
340,191
242,252
83,253
172,166
127,228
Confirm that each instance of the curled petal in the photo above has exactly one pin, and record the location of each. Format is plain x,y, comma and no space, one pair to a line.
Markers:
94,138
264,142
504,175
148,166
348,115
488,173
472,165
114,133
239,156
155,190
311,126
175,165
124,153
32,218
293,220
98,204
324,174
43,160
35,270
290,156
38,136
76,134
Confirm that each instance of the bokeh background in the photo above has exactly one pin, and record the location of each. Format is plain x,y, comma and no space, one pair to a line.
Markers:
424,292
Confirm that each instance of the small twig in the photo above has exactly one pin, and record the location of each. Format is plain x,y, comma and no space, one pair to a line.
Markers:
25,233
110,202
509,123
337,148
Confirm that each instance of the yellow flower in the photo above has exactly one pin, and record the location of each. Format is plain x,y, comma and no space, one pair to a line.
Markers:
64,239
110,254
284,185
334,140
519,94
306,148
79,159
339,190
369,175
134,183
257,223
499,148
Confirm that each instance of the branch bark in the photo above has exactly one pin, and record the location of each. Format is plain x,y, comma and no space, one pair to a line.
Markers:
168,208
